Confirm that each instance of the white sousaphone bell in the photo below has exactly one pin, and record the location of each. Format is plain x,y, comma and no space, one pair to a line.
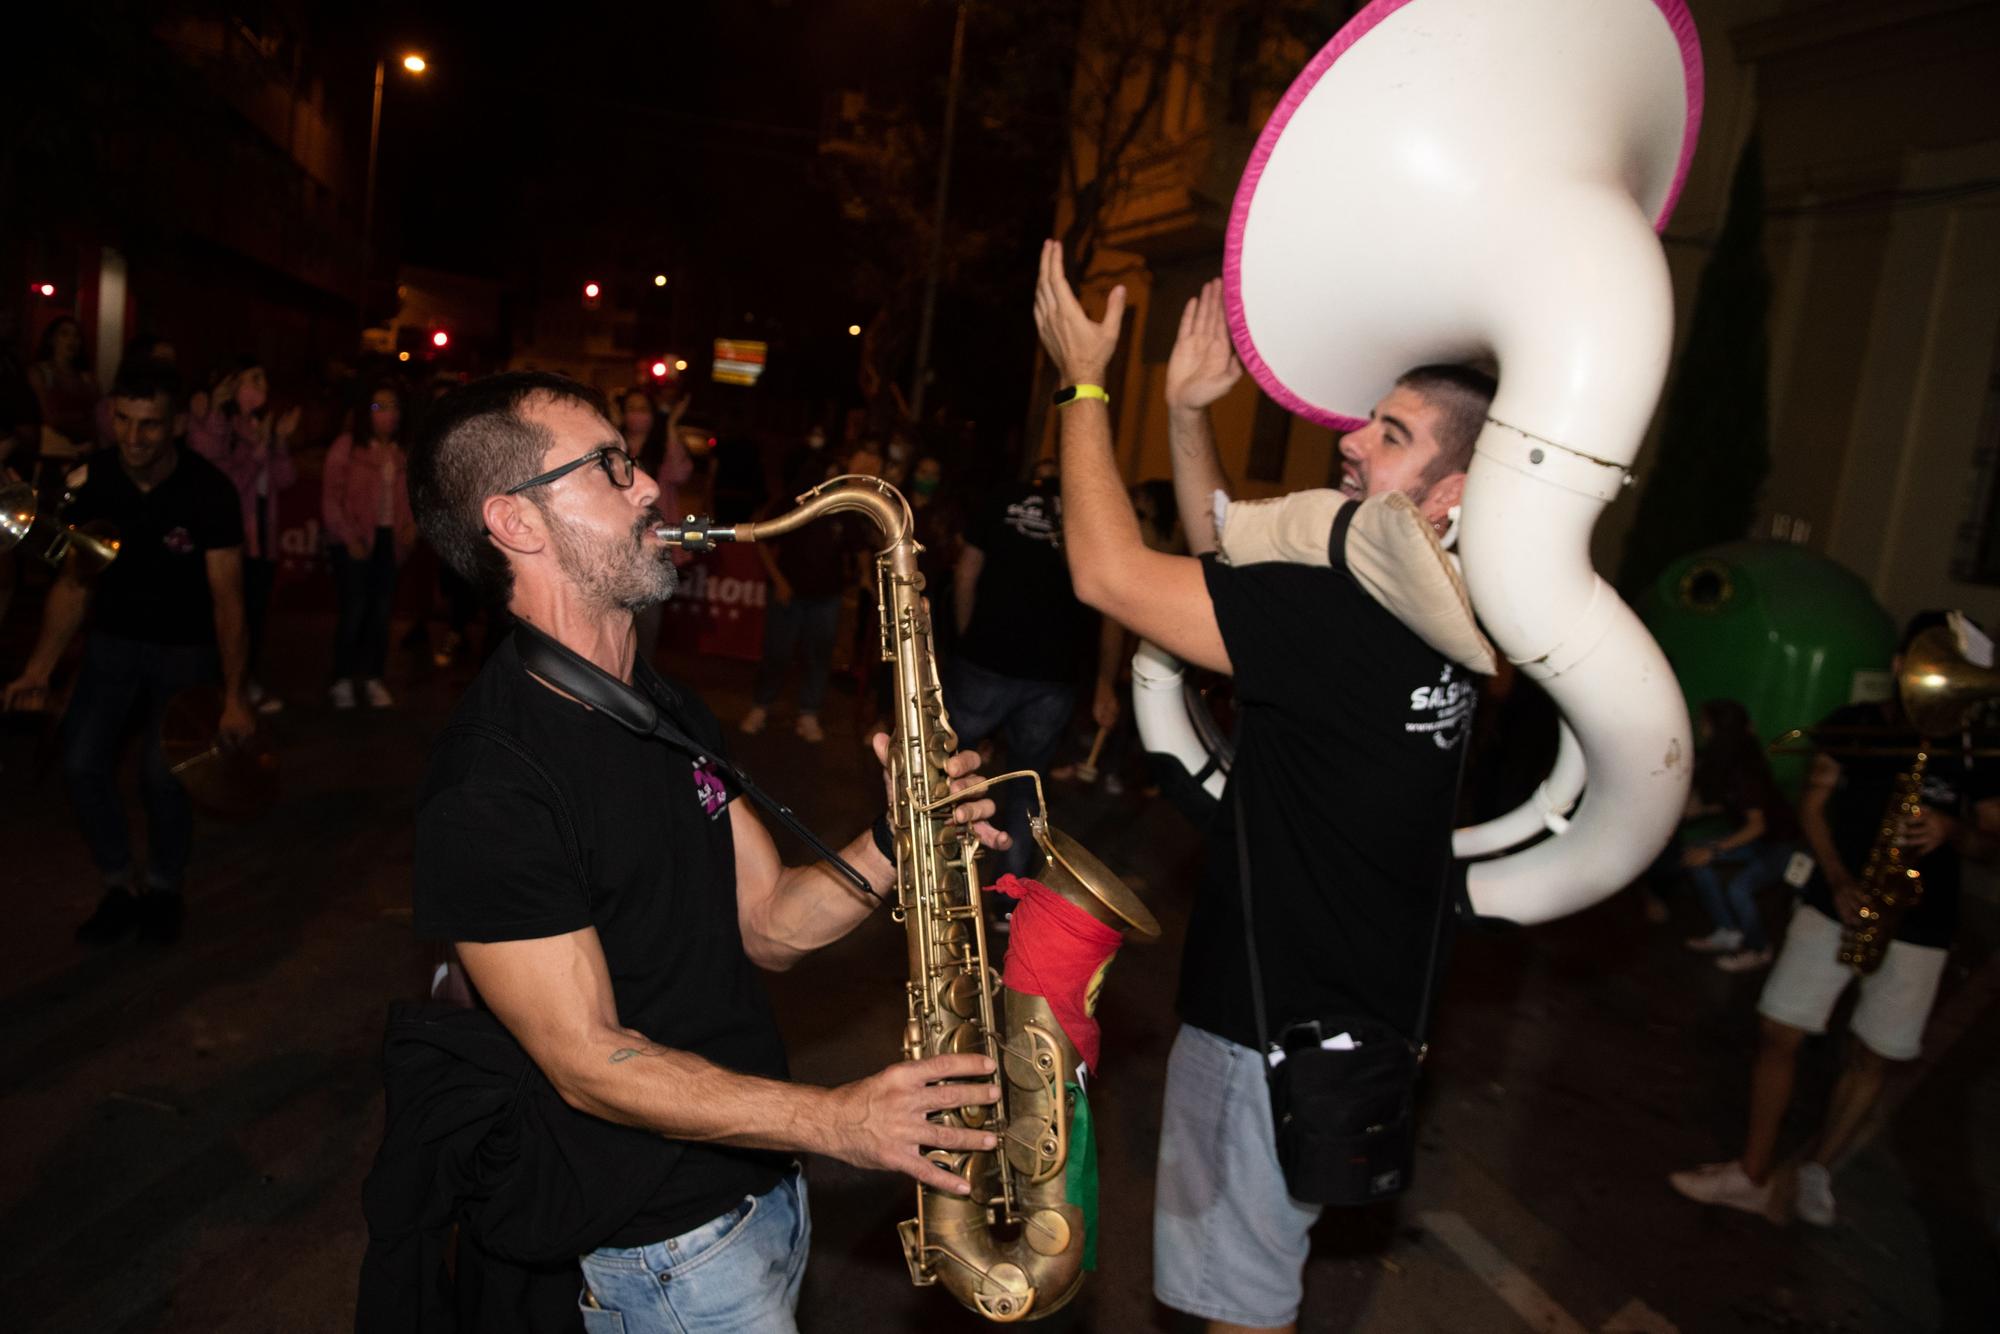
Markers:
1481,180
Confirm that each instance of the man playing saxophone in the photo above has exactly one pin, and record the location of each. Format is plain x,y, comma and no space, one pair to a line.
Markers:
1346,774
608,895
1853,810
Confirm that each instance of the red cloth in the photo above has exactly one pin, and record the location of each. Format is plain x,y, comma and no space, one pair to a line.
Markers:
1054,950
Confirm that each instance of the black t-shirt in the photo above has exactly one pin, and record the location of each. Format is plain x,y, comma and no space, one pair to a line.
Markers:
1746,786
623,833
1854,816
817,558
1347,760
157,589
1026,621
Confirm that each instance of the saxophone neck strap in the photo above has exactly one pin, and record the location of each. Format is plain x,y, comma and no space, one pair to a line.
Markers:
595,688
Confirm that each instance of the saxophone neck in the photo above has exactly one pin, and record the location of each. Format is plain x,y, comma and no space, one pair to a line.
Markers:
881,504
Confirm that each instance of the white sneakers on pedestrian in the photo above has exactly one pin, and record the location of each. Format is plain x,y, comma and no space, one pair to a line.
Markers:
378,694
808,727
342,694
1814,1202
1718,941
753,721
1745,961
1726,1184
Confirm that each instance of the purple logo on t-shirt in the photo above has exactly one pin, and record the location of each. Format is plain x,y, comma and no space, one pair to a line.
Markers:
709,789
178,540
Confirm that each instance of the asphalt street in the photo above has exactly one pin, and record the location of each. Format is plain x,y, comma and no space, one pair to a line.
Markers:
187,1128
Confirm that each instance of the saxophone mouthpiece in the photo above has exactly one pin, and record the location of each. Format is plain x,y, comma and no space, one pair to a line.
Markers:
694,533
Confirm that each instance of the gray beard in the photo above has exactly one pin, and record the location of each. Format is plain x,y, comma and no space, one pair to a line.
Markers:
613,575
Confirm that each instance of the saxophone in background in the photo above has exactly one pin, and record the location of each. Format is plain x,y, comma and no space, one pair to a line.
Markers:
1012,1249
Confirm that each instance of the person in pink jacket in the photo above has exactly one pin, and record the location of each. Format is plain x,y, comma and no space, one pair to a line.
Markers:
235,431
365,508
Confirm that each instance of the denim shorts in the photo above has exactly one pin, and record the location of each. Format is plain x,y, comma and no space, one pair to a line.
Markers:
735,1274
1229,1241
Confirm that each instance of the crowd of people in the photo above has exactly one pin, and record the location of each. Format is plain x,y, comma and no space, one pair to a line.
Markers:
626,977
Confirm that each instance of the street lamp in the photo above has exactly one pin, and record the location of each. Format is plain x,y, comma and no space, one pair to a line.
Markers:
659,280
854,331
415,64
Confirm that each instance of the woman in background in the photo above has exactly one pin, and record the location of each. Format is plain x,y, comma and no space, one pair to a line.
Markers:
365,507
654,442
238,434
1732,778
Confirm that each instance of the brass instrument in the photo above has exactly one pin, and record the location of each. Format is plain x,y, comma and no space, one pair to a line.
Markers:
1013,1248
1938,687
84,551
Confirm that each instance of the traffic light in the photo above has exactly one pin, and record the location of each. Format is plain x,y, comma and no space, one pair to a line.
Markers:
593,296
440,340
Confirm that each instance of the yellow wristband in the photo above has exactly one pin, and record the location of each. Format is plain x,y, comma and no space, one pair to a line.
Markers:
1073,392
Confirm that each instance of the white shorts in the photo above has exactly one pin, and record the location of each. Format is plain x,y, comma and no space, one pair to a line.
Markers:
1896,998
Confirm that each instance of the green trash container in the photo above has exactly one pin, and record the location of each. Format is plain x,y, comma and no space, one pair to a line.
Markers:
1788,633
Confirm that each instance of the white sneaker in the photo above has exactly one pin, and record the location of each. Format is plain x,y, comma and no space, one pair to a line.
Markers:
1814,1202
1718,941
753,721
342,694
1745,961
378,694
809,728
1726,1184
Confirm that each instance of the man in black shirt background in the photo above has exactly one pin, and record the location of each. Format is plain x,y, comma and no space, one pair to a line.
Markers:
167,614
608,896
1013,672
1846,800
1346,769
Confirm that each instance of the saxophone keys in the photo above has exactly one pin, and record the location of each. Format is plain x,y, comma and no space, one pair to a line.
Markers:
1047,1232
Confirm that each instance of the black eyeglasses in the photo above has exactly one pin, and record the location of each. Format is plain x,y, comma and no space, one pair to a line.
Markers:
617,466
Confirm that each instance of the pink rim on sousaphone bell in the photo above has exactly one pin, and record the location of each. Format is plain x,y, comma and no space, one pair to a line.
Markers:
1480,182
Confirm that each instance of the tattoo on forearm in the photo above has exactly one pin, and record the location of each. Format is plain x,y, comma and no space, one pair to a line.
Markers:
623,1054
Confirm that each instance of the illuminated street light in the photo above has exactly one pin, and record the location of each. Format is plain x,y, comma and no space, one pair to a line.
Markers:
402,356
854,331
414,63
680,365
440,339
659,370
47,289
659,280
591,290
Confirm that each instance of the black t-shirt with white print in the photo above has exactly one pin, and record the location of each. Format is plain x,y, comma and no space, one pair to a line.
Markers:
1860,799
539,817
1026,621
1347,760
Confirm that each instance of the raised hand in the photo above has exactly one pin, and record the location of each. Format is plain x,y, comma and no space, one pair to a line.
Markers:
1203,365
1080,347
884,1120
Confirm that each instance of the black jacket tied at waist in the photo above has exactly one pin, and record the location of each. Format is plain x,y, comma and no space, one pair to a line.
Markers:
475,1135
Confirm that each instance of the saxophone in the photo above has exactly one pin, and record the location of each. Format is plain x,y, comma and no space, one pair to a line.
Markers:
1013,1248
1888,887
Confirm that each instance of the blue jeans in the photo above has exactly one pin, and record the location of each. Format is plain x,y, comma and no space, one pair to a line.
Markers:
121,678
814,621
367,591
1732,904
1029,716
737,1274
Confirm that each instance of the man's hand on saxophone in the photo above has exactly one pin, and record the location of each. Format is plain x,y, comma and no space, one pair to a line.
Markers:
883,1121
